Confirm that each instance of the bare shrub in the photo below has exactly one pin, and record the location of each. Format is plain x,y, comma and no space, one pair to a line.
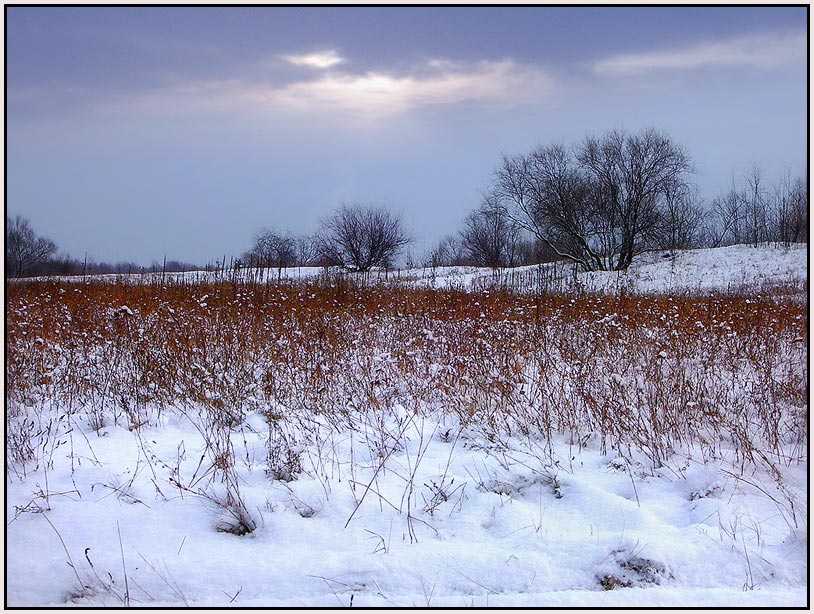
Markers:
25,251
359,238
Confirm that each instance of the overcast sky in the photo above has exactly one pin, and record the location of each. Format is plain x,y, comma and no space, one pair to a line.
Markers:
134,133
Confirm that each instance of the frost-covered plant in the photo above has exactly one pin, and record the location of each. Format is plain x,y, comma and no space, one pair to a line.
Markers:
284,456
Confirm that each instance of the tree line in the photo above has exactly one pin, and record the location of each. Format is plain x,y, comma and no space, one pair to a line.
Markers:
598,203
30,255
607,199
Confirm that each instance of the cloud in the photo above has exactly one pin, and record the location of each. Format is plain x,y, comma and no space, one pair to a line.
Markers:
765,51
337,92
436,82
323,59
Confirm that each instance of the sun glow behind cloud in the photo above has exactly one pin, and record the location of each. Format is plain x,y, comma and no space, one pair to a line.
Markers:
503,83
765,51
364,96
322,59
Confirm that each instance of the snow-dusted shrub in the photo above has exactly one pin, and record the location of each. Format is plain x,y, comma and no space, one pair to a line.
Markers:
284,454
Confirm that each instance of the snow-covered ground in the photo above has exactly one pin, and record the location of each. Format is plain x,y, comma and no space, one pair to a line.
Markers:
393,506
723,269
689,271
515,525
738,267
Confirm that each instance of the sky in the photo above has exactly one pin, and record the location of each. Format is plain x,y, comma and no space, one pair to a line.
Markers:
135,133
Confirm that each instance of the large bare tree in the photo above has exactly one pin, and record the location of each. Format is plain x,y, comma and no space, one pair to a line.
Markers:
358,237
25,251
547,194
599,204
633,173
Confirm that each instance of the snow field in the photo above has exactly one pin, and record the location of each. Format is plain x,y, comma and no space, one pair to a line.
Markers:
504,535
313,444
515,521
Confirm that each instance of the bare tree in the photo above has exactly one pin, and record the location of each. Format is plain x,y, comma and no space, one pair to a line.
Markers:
756,209
490,237
600,205
547,194
682,219
448,252
725,223
633,173
790,210
796,226
307,250
25,251
271,249
754,212
359,238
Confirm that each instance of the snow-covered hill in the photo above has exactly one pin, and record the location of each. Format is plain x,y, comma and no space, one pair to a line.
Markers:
724,269
738,267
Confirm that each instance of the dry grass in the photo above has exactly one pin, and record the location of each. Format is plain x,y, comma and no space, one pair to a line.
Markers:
661,375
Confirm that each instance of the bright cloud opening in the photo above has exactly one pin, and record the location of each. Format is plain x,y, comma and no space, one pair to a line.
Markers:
379,93
324,59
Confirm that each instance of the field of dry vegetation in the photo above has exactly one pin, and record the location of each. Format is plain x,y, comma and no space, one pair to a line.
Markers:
656,375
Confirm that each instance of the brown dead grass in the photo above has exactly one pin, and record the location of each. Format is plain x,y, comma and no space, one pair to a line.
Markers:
654,373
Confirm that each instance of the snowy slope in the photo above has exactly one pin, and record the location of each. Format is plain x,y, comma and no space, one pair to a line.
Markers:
733,268
702,270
